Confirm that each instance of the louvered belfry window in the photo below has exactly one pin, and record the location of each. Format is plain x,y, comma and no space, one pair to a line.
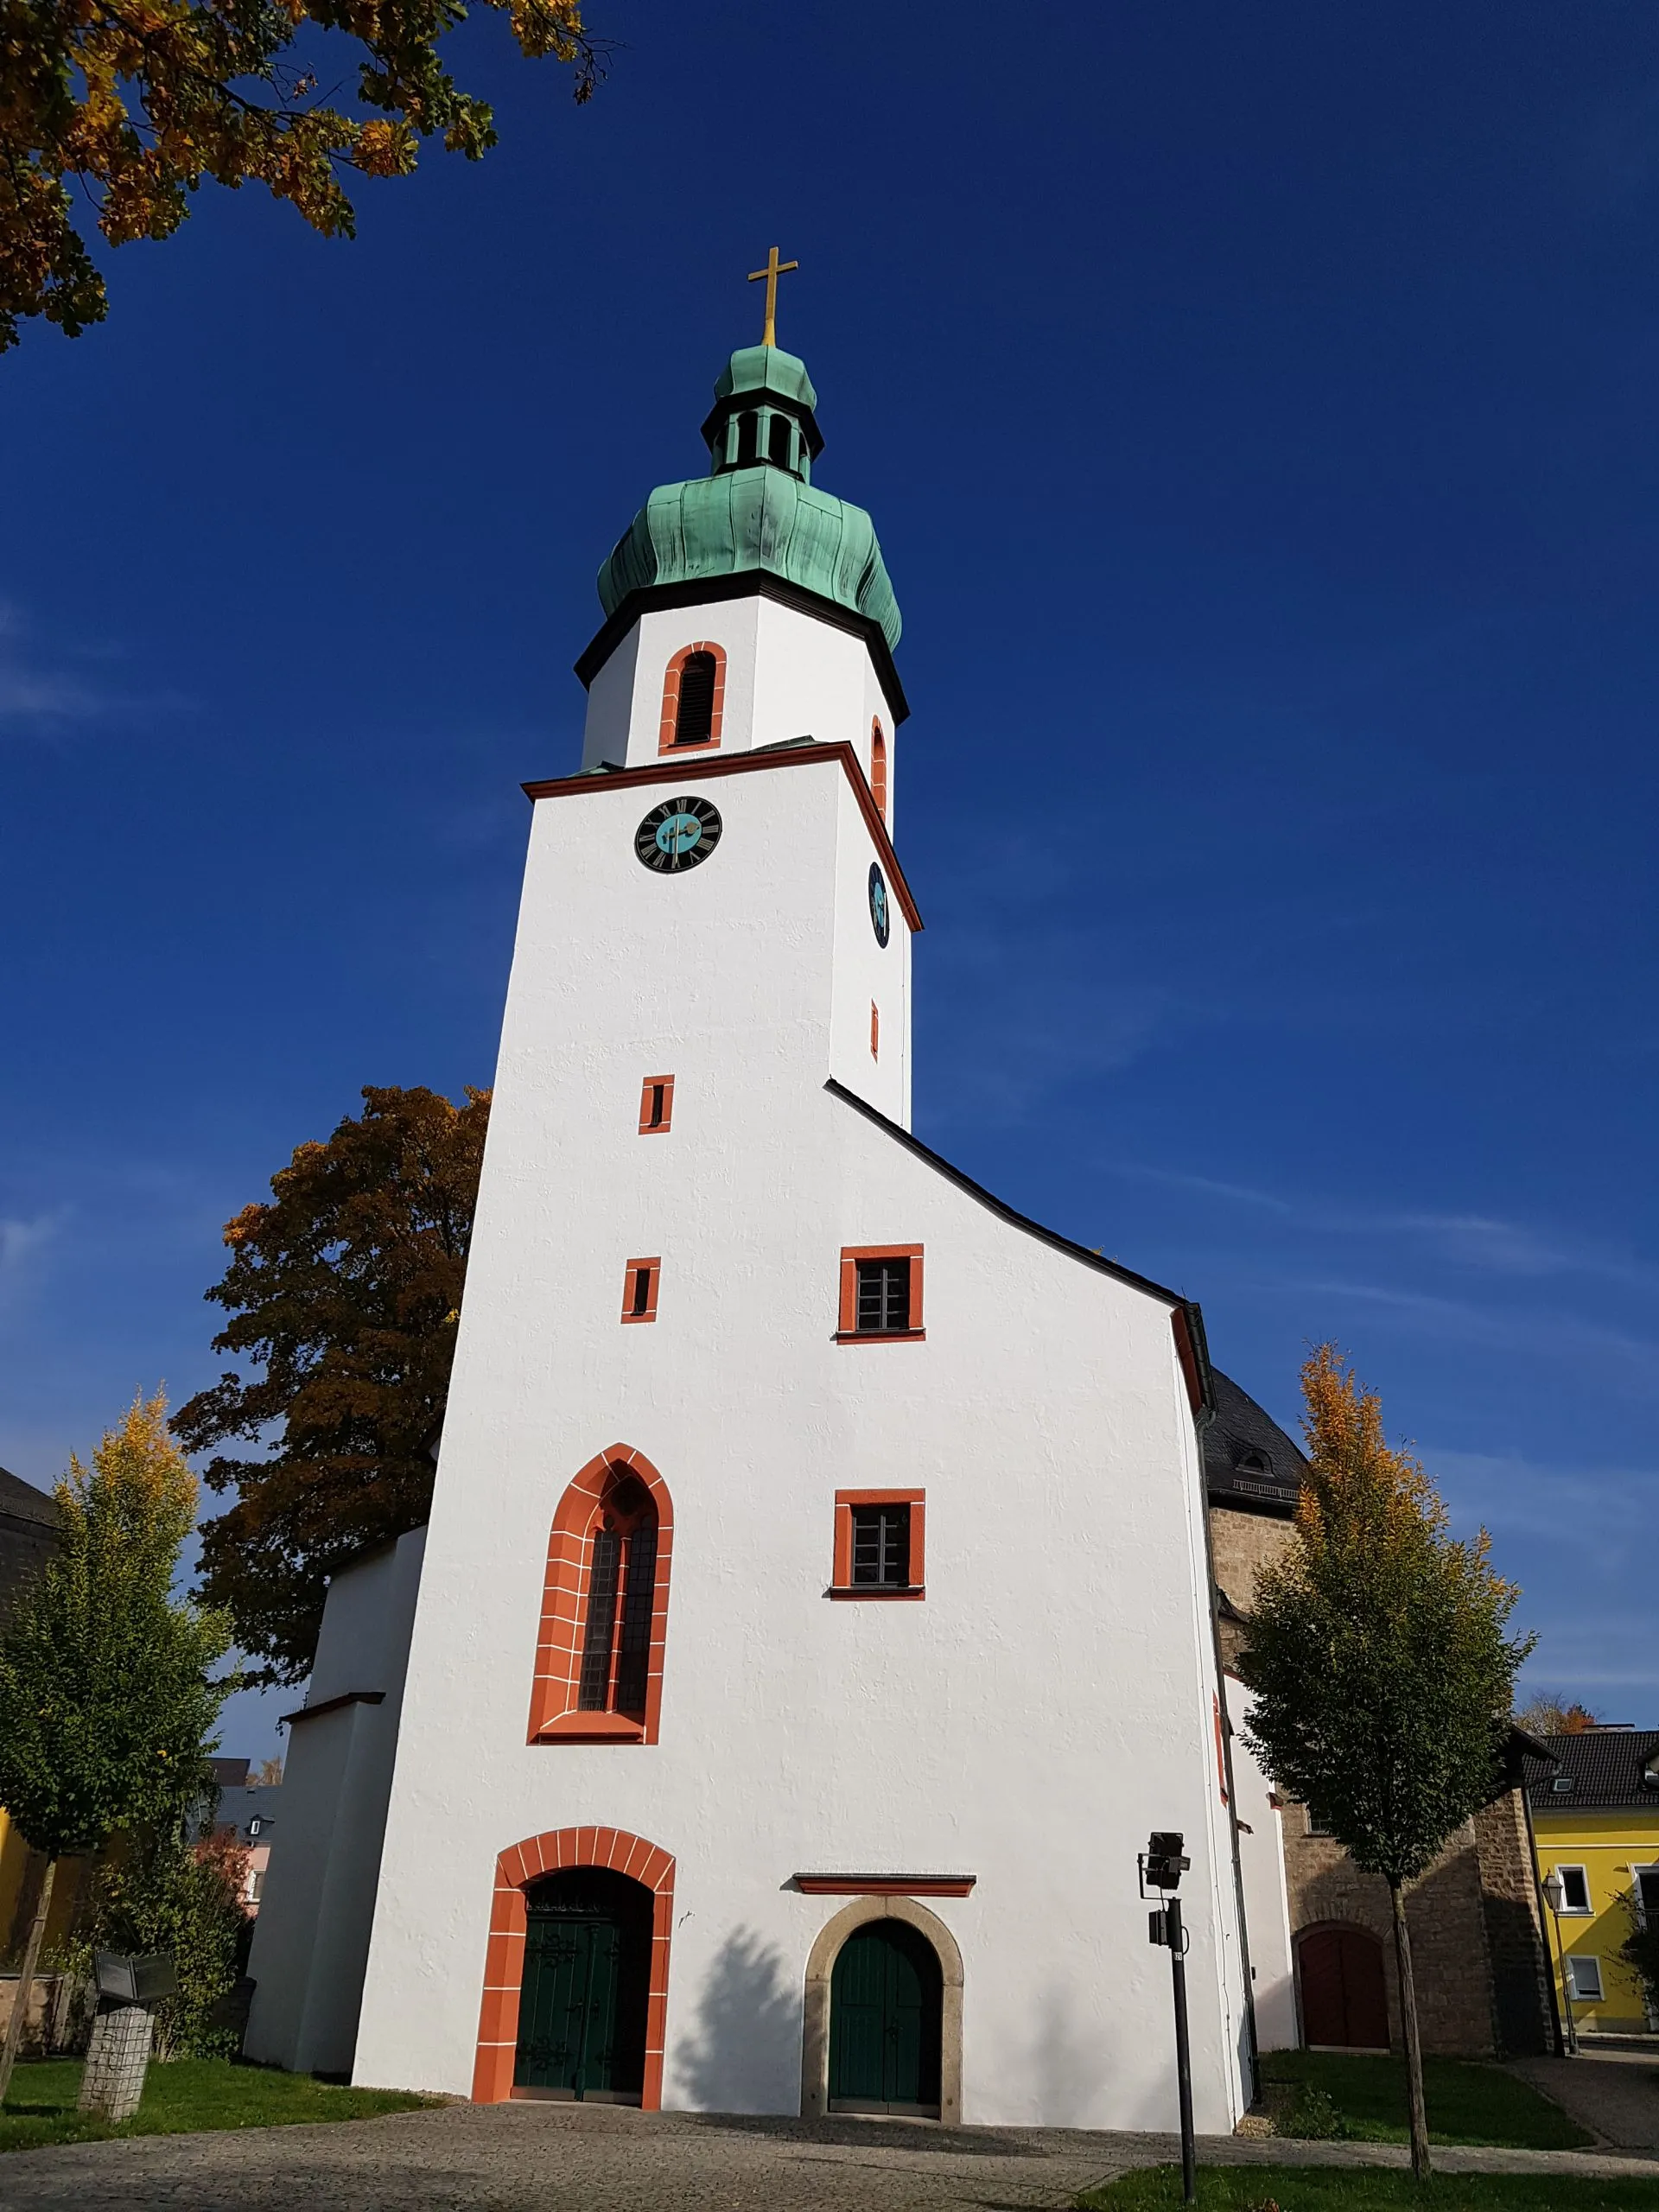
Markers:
621,1587
883,1296
693,722
881,1546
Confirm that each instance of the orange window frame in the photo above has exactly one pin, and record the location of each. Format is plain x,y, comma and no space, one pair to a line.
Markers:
875,1030
841,1581
653,1271
671,714
879,769
652,1084
554,1716
848,1331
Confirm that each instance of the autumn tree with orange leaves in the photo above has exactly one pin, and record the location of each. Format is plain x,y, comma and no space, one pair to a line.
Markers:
344,1290
1382,1673
128,105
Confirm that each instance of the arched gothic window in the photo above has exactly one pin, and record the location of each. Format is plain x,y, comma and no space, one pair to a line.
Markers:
598,1658
879,769
621,1593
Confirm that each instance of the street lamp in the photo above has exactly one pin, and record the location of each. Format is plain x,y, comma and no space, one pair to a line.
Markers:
1555,1890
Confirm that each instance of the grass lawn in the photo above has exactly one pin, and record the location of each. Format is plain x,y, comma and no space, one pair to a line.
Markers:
189,2093
1314,2189
1467,2102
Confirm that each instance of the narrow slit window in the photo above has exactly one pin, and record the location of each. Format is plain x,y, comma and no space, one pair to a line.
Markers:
640,1290
879,770
875,1030
655,1105
694,721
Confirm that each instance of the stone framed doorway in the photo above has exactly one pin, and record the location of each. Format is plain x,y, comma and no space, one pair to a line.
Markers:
905,1988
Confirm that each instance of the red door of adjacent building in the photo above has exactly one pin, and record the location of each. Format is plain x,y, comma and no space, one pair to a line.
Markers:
1345,1996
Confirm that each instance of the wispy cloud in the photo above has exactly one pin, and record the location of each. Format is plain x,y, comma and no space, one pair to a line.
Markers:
45,691
1479,1241
21,1244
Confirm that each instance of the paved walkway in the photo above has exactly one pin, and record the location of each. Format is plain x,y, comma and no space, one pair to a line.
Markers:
1614,2094
548,2157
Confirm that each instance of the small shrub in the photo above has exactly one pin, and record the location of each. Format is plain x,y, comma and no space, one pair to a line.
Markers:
1314,2116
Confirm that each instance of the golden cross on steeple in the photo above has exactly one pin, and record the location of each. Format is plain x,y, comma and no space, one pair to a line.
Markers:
773,270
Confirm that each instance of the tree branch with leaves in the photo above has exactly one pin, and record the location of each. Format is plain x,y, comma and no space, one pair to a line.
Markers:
345,1289
137,101
1377,1652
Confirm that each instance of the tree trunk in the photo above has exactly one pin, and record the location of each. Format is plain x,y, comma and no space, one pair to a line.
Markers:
26,1978
1408,2027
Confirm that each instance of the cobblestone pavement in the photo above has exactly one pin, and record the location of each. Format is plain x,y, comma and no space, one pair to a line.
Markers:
546,2158
1615,2095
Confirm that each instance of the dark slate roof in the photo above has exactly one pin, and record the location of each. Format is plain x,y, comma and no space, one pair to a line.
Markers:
20,1501
1248,1461
29,1537
1605,1765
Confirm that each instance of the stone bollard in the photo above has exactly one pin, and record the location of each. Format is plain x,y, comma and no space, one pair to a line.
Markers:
118,2054
116,2059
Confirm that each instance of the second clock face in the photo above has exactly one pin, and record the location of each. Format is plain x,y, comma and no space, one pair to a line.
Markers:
679,834
881,914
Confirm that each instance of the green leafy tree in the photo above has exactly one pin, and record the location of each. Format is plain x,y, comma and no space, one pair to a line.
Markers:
1640,1950
134,103
107,1697
1377,1654
168,1891
345,1290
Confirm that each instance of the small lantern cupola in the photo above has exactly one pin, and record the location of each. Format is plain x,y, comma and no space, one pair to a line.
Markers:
762,415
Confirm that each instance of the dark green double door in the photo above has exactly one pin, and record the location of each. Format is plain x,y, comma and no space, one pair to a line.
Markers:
886,2004
582,2007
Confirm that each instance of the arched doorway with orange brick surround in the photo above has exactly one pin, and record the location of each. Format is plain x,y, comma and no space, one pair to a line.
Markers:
516,1871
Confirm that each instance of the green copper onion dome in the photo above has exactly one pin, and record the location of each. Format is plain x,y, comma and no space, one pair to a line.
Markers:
757,508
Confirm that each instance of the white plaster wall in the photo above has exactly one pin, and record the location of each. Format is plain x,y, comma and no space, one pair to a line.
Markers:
1267,1896
310,1942
1045,1706
787,675
865,972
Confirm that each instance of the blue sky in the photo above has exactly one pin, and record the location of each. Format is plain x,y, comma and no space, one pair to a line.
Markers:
1256,405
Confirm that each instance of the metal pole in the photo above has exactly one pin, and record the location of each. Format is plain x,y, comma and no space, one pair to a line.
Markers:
1183,2049
1567,1989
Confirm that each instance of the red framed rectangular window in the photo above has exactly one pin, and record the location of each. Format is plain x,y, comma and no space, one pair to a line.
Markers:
881,1544
655,1105
875,1030
880,1294
640,1290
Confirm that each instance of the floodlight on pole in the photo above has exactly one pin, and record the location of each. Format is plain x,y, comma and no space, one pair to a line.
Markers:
1161,1866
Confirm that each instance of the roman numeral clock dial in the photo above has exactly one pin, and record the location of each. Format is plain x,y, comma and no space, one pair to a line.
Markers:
679,834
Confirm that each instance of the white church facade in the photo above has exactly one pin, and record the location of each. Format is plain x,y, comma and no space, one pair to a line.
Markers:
814,1615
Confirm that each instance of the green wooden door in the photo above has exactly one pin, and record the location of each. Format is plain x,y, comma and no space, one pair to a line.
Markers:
581,2005
885,2006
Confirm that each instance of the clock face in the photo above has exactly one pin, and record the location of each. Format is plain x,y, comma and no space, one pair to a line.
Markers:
881,913
679,834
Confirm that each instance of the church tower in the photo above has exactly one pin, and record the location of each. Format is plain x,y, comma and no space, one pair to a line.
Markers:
814,1616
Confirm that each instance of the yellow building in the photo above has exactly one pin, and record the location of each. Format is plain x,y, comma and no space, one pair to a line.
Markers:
1595,1817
